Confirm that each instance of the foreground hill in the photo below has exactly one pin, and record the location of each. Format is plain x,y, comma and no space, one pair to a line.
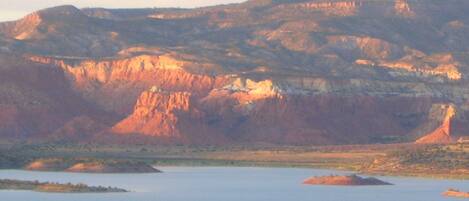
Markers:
275,71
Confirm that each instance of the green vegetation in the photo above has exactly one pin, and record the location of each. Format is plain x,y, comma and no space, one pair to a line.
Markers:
438,156
438,161
49,187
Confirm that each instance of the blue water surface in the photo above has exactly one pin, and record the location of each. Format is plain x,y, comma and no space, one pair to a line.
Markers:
229,184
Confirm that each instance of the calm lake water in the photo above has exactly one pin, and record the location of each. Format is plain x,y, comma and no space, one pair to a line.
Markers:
229,184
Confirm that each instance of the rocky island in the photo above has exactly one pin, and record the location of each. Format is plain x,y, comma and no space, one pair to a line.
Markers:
352,180
456,193
112,167
7,184
90,166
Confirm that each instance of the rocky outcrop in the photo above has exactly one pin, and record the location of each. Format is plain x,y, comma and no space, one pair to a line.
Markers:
168,117
402,8
352,180
442,134
115,84
258,110
443,65
364,47
456,193
155,114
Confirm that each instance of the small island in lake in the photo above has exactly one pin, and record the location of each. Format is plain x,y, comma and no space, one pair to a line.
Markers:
112,167
7,184
90,166
351,180
456,193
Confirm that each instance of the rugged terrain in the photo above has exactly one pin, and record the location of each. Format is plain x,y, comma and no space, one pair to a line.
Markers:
263,71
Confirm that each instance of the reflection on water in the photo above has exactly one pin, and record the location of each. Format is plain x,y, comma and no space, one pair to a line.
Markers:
229,184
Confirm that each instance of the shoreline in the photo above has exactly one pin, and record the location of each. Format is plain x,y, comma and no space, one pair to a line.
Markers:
248,164
54,187
437,161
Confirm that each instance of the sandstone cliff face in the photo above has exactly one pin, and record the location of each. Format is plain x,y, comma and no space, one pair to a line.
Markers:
262,111
442,134
168,116
115,84
155,114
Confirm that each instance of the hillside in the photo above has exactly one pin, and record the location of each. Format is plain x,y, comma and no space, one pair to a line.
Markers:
292,72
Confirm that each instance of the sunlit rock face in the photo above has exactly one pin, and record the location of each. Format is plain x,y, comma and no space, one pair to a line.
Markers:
115,84
443,114
403,8
154,114
273,71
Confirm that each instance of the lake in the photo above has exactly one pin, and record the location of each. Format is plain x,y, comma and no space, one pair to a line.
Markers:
229,184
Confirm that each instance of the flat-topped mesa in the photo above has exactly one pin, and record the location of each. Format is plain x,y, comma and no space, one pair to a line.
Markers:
442,134
352,180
